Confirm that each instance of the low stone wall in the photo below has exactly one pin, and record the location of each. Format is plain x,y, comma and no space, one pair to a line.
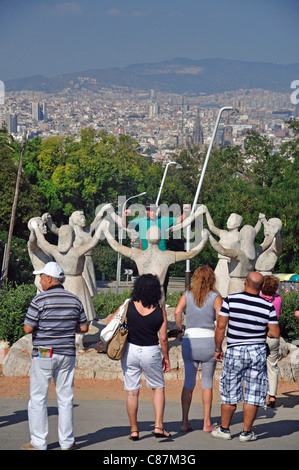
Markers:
93,364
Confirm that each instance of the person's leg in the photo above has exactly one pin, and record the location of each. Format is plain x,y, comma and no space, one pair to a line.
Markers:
227,412
186,399
64,386
132,410
249,412
207,373
207,397
40,379
159,406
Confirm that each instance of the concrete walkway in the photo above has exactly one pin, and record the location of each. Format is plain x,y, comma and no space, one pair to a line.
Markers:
103,425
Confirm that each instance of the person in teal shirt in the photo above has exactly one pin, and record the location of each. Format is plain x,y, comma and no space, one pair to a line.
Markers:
142,224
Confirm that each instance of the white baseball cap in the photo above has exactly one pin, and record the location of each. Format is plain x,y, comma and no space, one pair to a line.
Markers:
51,269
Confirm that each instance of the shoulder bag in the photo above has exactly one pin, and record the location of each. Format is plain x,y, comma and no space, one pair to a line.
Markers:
116,335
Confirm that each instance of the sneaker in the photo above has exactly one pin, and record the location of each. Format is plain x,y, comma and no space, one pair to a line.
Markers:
247,436
28,446
221,434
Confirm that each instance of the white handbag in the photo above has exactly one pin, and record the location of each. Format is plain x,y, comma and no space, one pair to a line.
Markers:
109,330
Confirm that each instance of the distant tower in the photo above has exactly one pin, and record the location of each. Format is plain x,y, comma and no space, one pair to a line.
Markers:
11,121
39,112
198,132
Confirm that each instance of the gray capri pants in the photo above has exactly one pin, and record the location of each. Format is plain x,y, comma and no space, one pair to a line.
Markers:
195,351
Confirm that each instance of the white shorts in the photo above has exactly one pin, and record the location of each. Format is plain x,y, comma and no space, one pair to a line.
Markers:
146,359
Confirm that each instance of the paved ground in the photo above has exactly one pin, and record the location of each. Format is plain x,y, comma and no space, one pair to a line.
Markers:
103,425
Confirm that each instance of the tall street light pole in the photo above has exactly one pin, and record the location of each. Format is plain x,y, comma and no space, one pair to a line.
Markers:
188,231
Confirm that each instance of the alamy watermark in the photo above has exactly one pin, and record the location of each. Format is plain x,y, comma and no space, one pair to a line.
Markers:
294,95
163,211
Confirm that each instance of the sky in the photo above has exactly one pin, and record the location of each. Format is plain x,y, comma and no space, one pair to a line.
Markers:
51,37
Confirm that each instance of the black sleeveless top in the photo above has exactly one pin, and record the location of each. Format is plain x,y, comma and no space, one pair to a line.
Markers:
143,329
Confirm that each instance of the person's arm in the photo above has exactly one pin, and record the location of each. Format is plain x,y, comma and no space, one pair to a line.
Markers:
273,330
44,244
297,315
164,342
184,255
28,329
219,336
178,313
217,305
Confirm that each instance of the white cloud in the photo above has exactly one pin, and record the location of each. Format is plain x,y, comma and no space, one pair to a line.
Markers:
69,7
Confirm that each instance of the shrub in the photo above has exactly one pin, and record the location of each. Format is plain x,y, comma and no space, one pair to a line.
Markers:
289,326
107,303
14,303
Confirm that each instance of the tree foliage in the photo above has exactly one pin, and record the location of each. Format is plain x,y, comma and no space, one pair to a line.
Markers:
63,174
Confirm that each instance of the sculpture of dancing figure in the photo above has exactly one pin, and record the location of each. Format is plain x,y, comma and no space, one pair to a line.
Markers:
228,239
152,260
37,256
72,260
266,260
242,256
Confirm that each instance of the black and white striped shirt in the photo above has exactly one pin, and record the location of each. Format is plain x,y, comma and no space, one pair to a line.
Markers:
54,314
249,315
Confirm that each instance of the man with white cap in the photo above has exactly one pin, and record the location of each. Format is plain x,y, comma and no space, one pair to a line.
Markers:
54,316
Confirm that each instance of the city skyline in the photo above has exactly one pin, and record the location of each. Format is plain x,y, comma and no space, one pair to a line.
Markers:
55,37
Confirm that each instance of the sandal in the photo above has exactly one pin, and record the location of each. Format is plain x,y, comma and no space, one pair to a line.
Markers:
161,434
134,438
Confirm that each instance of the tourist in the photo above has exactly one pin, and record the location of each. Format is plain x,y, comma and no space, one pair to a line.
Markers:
147,324
269,293
249,319
202,304
53,318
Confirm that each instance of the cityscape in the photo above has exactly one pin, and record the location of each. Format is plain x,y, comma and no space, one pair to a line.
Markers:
159,121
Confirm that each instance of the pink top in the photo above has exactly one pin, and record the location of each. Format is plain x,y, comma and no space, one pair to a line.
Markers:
277,301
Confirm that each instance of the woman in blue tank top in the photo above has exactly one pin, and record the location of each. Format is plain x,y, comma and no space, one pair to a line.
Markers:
202,304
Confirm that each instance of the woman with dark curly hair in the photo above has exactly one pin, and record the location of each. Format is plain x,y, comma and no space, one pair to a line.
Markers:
202,304
269,292
147,325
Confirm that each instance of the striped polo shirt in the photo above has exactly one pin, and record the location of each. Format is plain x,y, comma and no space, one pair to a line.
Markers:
55,315
249,315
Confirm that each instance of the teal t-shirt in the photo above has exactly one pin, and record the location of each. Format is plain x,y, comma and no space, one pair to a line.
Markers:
142,224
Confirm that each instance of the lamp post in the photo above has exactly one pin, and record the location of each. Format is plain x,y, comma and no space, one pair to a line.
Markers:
163,180
187,273
118,269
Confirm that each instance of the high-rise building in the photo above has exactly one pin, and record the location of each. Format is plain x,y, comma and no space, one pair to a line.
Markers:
39,111
198,132
11,121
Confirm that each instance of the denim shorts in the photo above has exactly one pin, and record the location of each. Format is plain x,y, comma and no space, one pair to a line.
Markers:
142,359
244,365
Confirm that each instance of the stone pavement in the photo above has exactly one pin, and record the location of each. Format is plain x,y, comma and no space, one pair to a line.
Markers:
103,425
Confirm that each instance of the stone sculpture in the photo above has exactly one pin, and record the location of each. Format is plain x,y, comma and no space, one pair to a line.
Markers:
228,239
153,260
242,256
267,259
72,260
83,235
37,256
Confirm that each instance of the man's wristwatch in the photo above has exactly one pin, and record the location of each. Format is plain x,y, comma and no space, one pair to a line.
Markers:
218,350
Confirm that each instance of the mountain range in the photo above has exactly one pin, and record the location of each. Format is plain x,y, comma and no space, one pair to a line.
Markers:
179,75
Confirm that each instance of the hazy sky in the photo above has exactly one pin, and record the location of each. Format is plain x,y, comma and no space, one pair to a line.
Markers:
50,37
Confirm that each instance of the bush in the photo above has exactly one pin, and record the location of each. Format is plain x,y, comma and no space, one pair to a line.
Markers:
107,303
14,303
289,326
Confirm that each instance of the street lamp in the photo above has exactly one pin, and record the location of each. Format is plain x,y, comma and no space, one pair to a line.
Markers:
118,269
163,180
187,273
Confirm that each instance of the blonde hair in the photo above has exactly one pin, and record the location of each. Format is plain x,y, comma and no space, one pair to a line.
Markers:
202,282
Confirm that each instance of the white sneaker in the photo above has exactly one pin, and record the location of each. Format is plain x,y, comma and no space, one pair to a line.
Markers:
247,436
219,434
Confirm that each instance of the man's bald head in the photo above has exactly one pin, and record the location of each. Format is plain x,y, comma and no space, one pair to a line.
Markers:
254,282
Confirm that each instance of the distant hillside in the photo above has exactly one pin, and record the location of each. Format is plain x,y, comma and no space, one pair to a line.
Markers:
180,75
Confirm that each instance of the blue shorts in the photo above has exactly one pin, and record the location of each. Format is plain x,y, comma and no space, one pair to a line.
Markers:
244,365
